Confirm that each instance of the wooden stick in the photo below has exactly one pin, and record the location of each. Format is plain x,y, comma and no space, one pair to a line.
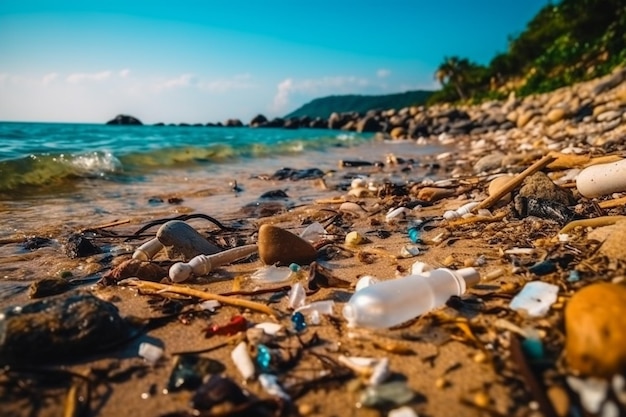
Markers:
616,202
514,183
178,289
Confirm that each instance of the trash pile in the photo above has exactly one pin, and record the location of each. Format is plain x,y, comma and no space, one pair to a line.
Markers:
478,282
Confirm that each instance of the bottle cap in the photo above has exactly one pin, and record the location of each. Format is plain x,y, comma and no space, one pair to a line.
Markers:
469,275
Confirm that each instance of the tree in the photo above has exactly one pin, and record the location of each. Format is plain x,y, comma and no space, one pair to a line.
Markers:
454,70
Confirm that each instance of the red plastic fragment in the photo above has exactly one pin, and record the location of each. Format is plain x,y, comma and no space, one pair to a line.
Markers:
237,324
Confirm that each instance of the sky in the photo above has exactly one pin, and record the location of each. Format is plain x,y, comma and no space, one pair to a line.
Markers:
207,61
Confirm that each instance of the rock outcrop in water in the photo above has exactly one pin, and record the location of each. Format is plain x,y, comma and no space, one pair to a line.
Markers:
124,119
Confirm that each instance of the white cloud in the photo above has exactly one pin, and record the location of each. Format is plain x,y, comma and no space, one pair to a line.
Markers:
49,78
281,99
237,82
183,80
383,73
79,77
316,87
124,73
3,77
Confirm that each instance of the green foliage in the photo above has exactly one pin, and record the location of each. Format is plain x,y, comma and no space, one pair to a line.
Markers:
323,107
565,43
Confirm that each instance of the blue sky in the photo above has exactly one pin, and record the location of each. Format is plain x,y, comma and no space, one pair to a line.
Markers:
206,61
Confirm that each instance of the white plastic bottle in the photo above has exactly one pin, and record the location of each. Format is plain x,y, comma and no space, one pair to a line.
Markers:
395,301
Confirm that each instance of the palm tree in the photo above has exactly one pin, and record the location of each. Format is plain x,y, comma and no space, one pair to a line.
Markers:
454,70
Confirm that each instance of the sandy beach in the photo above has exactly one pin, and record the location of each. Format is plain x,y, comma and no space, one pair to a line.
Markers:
463,359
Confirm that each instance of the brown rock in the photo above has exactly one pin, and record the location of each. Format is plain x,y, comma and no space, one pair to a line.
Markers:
595,328
556,115
496,184
134,268
398,133
280,246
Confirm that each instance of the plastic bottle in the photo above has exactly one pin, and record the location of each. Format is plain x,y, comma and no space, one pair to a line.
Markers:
393,302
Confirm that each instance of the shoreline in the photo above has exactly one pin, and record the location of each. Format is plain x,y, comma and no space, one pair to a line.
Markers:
457,360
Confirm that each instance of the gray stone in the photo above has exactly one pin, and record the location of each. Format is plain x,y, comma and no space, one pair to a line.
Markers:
489,162
182,240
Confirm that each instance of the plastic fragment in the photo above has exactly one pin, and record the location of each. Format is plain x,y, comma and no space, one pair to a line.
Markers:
414,234
420,267
272,274
263,357
298,321
355,238
297,296
313,232
242,360
409,251
294,267
270,384
235,325
396,393
269,327
150,352
574,276
321,307
535,298
592,392
365,281
210,305
543,268
397,213
405,411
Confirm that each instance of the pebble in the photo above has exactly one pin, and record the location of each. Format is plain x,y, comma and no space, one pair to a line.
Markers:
182,240
396,392
489,162
279,246
595,319
496,184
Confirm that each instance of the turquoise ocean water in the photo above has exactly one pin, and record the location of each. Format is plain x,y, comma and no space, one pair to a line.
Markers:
37,156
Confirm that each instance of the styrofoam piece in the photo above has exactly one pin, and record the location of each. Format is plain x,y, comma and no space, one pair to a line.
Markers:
535,298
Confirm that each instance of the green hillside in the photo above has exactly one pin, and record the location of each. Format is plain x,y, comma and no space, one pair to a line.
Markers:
568,41
323,107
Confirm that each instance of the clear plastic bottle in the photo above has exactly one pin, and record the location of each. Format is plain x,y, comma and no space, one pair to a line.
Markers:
395,301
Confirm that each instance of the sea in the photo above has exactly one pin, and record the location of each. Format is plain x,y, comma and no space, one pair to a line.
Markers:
60,179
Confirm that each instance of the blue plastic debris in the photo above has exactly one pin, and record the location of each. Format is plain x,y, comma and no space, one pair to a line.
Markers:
299,324
263,357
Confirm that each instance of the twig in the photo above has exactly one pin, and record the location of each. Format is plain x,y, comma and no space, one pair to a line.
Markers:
514,183
616,202
177,289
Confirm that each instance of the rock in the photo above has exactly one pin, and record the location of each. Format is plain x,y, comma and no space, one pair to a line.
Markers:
258,120
539,186
524,118
398,133
433,194
608,115
595,330
78,246
145,270
279,246
124,119
556,115
496,184
233,123
489,162
613,80
180,239
368,124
